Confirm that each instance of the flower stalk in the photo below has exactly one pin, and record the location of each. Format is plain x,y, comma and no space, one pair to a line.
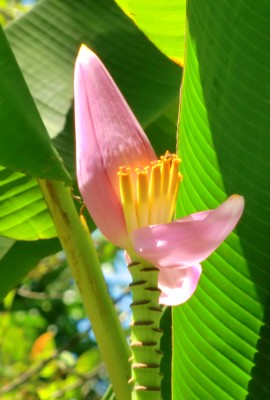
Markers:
86,270
145,332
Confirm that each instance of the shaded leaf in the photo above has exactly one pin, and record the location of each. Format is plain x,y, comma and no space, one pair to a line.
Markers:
148,79
65,144
20,259
162,131
24,143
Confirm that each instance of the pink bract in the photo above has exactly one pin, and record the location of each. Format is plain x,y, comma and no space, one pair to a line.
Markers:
177,248
107,136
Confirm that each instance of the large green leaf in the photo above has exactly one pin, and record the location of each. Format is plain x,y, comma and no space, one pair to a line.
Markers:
162,21
222,335
148,79
24,143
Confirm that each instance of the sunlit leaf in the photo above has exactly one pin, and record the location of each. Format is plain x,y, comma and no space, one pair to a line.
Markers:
162,21
222,336
23,211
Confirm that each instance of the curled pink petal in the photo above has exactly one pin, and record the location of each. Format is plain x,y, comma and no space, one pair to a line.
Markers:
177,285
107,136
189,240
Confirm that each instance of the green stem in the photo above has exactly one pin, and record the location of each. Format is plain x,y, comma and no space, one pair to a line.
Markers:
145,333
82,259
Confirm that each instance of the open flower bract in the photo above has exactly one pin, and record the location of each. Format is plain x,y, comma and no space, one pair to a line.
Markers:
177,248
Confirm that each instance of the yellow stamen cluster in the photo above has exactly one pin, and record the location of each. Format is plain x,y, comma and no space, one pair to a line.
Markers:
148,194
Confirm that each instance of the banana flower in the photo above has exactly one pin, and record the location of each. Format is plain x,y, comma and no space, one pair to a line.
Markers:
131,193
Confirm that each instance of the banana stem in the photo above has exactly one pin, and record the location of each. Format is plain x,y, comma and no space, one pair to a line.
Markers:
145,333
82,259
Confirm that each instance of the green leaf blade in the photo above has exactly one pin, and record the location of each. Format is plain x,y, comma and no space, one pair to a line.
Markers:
23,211
20,259
24,143
221,334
